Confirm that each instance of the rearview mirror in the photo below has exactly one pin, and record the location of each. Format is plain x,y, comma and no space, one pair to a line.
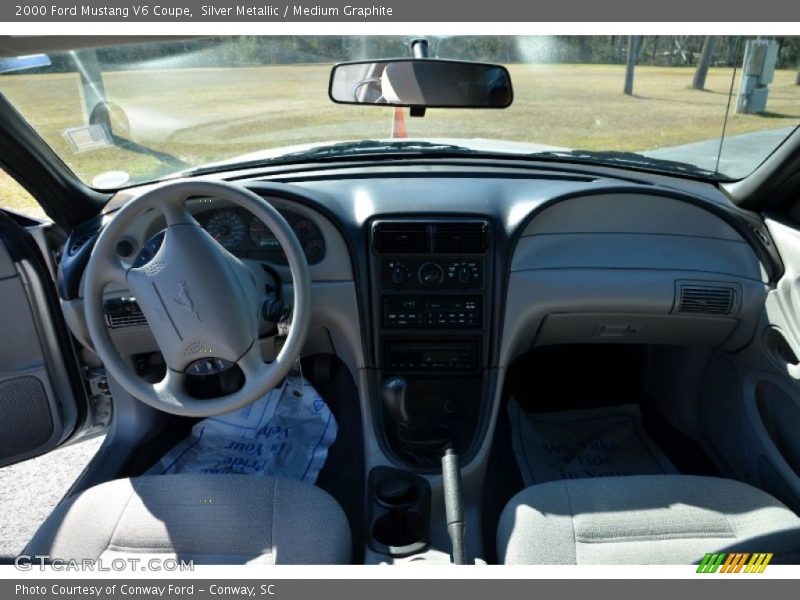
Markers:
421,82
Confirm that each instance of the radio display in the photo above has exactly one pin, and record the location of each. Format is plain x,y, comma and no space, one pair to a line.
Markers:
427,356
432,311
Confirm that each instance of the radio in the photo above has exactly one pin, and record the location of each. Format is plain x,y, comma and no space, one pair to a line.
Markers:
406,355
429,312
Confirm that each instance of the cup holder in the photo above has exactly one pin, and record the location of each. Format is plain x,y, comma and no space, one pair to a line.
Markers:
397,493
402,532
399,512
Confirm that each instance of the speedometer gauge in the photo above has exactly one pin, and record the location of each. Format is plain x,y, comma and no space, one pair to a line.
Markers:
227,228
261,236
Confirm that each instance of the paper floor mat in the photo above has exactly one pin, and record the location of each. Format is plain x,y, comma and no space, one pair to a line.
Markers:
286,434
575,444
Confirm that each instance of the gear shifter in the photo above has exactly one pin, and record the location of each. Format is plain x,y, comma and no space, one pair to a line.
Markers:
394,400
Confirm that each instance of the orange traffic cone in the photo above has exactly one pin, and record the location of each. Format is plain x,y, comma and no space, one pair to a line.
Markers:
399,124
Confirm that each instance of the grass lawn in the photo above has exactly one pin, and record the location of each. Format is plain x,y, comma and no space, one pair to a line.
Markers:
15,197
209,114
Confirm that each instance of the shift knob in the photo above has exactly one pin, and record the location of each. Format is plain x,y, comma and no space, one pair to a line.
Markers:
394,399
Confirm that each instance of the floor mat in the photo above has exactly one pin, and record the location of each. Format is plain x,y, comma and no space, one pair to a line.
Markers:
575,444
286,434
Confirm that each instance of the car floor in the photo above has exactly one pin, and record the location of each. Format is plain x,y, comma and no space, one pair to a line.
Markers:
559,382
576,444
30,490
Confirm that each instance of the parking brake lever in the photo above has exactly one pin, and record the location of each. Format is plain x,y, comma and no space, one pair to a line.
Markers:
454,510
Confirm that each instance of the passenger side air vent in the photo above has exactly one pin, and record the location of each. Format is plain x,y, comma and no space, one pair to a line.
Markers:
401,238
460,238
703,299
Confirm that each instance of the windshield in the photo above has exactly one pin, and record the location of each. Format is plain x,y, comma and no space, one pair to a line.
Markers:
122,115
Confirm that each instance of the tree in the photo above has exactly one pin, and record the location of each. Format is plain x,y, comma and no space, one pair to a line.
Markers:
709,46
633,46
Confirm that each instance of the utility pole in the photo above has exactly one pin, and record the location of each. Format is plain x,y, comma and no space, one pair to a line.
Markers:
709,46
633,47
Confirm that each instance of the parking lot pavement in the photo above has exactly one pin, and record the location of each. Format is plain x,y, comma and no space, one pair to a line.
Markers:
31,489
740,153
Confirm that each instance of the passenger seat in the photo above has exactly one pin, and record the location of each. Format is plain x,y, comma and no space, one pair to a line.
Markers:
646,519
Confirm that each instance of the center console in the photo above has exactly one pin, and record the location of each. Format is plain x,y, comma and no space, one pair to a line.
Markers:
431,308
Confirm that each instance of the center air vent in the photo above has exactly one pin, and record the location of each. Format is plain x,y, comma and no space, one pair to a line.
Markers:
459,238
703,299
401,238
438,237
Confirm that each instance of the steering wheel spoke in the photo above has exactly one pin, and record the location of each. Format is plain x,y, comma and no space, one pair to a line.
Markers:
110,269
252,363
172,388
176,213
174,382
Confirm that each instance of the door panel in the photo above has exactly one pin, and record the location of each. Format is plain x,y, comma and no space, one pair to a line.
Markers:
42,399
751,400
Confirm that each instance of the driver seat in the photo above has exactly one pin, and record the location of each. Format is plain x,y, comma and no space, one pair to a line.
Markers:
210,519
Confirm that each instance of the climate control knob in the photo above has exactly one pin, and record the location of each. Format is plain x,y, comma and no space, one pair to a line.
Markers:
430,274
398,274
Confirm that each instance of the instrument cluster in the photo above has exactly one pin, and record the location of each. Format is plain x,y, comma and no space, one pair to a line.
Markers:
246,236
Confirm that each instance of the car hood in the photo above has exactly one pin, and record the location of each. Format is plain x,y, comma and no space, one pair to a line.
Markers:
476,144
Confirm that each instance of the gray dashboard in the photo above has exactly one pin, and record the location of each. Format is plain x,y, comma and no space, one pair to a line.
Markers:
573,245
631,268
574,253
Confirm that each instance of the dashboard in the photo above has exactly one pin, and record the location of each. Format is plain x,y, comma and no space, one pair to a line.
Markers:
553,243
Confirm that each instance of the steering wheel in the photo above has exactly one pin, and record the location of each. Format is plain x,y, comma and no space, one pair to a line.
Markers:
202,303
360,97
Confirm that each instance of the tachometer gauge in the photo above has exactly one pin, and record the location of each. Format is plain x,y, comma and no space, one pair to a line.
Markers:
261,236
303,228
227,228
314,250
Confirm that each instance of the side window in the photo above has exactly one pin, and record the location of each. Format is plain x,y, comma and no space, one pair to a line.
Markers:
15,197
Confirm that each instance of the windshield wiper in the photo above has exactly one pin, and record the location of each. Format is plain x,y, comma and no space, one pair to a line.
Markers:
628,159
377,147
341,150
421,148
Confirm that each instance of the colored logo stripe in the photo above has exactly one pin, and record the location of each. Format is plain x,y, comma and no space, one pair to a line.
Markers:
758,563
710,563
735,563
